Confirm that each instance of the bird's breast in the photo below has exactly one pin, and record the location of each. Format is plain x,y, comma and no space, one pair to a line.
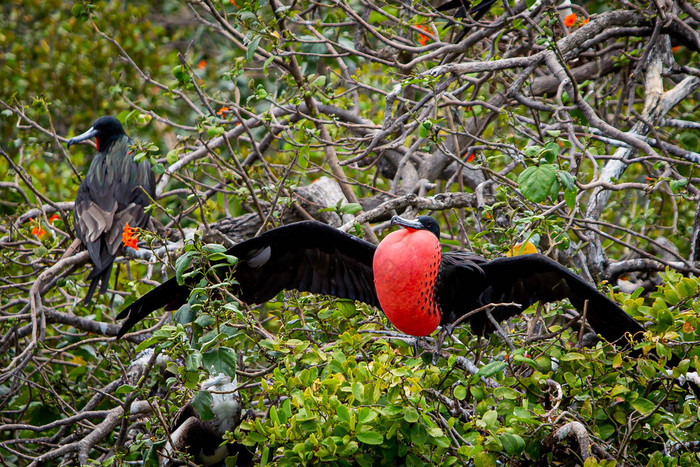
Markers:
406,265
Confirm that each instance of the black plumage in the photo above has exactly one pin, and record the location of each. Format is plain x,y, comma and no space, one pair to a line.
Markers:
115,191
307,256
313,257
462,7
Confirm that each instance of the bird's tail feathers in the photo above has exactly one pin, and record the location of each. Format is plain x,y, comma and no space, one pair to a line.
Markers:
98,277
91,291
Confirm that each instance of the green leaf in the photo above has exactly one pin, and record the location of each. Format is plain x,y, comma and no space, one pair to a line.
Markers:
252,47
491,369
512,443
182,264
537,182
213,248
572,356
184,315
171,157
357,388
570,198
202,403
370,437
269,60
125,389
193,360
551,150
566,179
410,414
214,131
220,360
665,318
303,162
343,413
418,434
643,406
319,81
351,208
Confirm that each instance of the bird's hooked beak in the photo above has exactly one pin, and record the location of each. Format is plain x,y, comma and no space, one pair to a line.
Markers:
408,224
87,135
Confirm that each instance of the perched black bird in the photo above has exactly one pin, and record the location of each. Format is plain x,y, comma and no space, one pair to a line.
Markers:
416,285
114,192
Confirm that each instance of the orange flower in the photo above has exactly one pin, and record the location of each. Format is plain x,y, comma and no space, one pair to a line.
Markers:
54,218
38,231
570,20
471,156
222,111
422,38
202,64
129,236
584,21
233,2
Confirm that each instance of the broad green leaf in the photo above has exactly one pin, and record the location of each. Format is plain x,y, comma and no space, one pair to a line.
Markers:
512,443
410,414
537,182
460,392
643,406
351,208
343,413
370,437
220,360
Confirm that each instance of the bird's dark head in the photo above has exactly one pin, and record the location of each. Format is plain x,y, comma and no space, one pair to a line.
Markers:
422,223
105,130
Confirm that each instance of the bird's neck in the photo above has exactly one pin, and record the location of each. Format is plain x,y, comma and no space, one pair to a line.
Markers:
406,266
105,143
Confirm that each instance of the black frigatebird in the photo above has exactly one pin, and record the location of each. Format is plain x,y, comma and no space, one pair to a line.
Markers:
114,192
416,285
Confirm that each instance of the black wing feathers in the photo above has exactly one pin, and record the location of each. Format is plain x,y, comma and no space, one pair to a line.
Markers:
313,257
308,256
463,6
526,279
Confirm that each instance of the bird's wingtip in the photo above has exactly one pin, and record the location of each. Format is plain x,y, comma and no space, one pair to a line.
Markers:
126,325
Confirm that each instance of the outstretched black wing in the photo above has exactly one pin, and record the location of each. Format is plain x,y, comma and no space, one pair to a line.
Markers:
110,196
469,282
307,256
